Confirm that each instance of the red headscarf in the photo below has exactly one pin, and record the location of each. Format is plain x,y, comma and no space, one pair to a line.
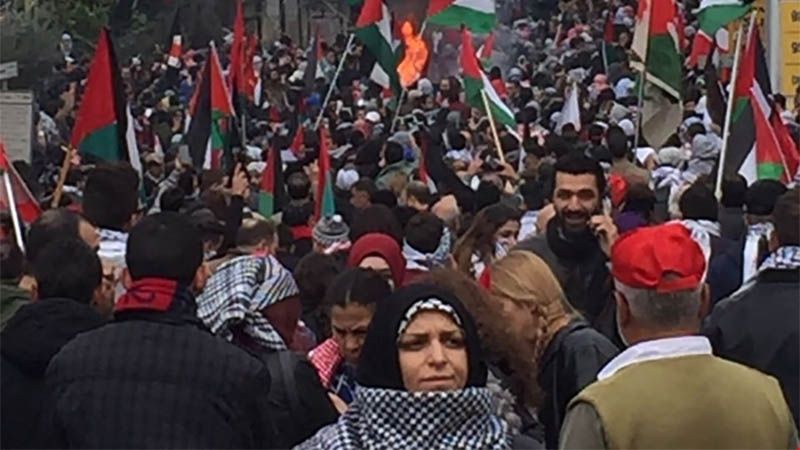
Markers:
379,244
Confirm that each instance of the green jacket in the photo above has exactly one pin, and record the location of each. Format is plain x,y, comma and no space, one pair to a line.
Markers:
399,169
12,298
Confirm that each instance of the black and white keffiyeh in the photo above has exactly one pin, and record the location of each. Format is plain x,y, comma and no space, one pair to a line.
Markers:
237,293
394,419
783,258
430,304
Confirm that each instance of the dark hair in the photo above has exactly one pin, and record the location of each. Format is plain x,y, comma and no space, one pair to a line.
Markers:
487,194
479,237
734,191
424,231
52,225
641,199
67,268
420,191
375,219
164,245
457,141
384,197
254,231
532,193
365,185
617,142
298,185
699,203
580,164
532,147
786,216
780,100
111,195
695,129
393,152
761,196
11,259
356,285
172,199
314,273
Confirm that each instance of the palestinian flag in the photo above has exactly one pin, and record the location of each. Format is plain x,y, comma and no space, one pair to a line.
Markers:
759,146
236,61
298,142
715,14
485,52
211,112
657,55
270,198
324,205
476,82
175,43
374,29
656,45
102,123
24,201
476,15
313,69
703,46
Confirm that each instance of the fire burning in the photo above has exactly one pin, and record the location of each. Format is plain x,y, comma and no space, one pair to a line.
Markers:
415,56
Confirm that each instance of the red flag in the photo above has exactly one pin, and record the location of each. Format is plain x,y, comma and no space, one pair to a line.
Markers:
299,141
27,206
324,205
701,47
608,31
236,69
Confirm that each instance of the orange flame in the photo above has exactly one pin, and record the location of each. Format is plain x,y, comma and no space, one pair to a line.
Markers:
415,57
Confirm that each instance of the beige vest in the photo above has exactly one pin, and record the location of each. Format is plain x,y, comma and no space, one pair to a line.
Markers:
690,402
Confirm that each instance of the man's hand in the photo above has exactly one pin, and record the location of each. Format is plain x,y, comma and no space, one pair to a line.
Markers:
544,217
241,184
605,230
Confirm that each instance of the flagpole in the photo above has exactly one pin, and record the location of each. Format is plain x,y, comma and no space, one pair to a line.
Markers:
62,177
493,127
640,103
12,206
333,82
726,128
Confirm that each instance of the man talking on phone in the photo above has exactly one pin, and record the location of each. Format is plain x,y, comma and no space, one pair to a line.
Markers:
576,242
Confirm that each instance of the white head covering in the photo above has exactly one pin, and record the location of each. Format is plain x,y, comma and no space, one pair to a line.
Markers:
346,178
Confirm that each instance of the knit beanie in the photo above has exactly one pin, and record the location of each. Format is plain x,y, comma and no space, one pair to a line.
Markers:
332,233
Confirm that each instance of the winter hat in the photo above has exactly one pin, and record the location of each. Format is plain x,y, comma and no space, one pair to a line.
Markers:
332,234
373,116
624,87
346,178
425,86
669,156
627,126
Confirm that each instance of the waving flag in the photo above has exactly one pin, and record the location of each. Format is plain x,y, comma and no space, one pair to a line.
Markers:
715,14
374,29
211,112
101,124
25,202
324,205
476,82
476,15
271,197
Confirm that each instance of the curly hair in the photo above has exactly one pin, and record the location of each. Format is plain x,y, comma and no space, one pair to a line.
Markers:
505,350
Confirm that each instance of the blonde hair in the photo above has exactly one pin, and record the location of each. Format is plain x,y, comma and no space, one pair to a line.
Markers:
523,278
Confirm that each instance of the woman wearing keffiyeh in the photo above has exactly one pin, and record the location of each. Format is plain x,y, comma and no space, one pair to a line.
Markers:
252,301
422,381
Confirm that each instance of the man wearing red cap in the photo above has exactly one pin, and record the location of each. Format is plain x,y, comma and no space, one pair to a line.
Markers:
667,390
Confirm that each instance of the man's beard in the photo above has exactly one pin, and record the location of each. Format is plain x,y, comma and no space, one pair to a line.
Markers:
572,232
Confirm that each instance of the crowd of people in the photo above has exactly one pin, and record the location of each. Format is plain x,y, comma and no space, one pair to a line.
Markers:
572,288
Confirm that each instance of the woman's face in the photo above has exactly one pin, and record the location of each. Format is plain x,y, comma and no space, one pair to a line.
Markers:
433,354
349,328
506,235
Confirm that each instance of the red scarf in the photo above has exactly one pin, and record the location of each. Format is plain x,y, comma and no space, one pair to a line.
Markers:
301,232
148,294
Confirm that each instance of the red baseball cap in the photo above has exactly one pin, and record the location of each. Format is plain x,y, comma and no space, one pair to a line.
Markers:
663,258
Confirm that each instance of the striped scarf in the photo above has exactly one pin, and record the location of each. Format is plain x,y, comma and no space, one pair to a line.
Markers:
237,293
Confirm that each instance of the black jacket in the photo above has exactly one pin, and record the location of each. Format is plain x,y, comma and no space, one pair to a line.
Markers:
570,363
31,338
758,327
582,272
156,380
299,405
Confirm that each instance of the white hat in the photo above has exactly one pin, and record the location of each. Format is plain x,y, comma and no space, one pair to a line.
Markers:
346,178
373,116
627,126
256,167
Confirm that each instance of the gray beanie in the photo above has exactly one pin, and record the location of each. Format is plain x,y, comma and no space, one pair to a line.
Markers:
331,232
